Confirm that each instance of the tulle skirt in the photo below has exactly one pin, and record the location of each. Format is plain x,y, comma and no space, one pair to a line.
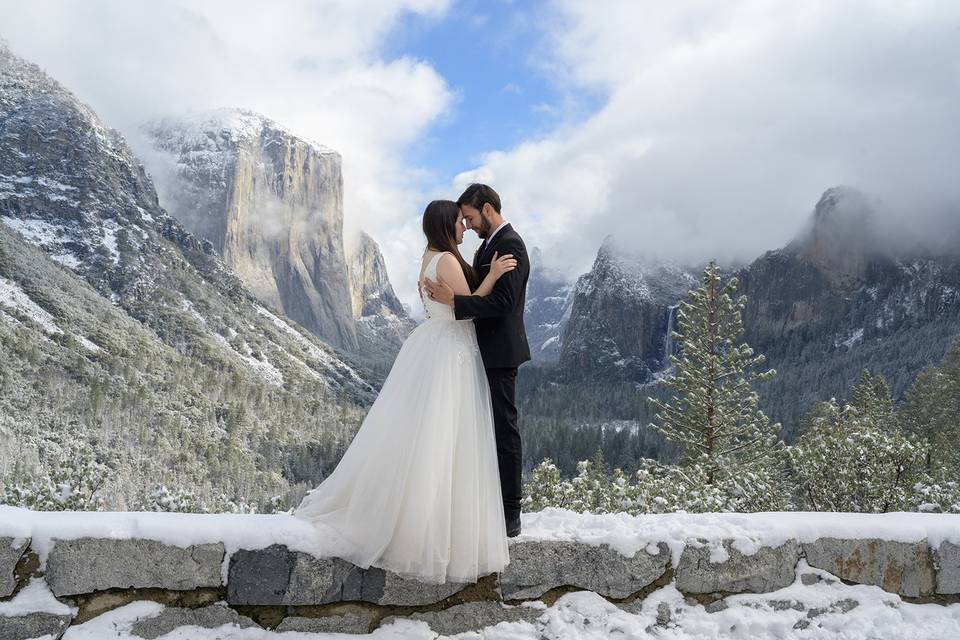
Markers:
418,490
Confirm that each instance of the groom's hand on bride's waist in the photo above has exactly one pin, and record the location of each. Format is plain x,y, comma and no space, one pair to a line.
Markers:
439,291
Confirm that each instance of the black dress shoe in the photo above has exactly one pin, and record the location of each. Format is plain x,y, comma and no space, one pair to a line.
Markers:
513,527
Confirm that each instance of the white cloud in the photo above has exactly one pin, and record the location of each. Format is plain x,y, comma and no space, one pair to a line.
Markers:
718,125
317,67
722,123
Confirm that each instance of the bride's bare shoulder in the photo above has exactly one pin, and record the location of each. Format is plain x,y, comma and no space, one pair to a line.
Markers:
449,267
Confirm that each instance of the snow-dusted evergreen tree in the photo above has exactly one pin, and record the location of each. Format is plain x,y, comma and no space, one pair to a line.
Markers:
593,490
670,488
655,488
931,410
546,488
870,397
714,413
853,457
70,478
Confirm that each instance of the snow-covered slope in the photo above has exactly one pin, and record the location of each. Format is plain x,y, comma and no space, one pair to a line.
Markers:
120,299
73,188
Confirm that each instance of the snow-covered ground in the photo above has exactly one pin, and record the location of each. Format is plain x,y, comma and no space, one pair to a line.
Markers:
584,615
14,297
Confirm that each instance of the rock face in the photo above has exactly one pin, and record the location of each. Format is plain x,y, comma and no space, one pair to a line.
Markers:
538,566
270,202
72,187
836,299
621,311
841,240
11,550
947,558
549,303
85,565
171,618
898,567
276,575
32,626
337,623
470,616
382,322
769,569
370,291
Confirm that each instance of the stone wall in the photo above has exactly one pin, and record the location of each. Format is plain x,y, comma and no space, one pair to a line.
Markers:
285,590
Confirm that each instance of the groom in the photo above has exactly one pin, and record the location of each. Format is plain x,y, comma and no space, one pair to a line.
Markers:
498,318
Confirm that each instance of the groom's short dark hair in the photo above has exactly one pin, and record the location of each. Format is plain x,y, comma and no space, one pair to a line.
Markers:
478,195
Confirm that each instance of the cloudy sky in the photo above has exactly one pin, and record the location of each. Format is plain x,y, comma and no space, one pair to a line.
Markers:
687,129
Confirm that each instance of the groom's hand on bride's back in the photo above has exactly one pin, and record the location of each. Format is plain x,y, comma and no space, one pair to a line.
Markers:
439,291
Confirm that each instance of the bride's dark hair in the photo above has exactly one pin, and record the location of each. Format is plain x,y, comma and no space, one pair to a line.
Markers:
440,228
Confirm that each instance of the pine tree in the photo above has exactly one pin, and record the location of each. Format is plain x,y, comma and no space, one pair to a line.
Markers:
853,457
546,488
871,400
931,410
714,414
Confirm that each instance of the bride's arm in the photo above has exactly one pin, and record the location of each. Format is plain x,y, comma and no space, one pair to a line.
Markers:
452,282
450,273
498,267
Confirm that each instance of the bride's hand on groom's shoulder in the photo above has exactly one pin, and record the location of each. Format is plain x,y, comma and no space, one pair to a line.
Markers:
503,264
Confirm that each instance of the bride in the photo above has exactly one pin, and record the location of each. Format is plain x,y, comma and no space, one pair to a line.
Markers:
418,490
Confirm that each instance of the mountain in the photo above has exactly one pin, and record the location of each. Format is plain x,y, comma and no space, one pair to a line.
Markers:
548,307
382,321
270,202
124,304
836,299
620,315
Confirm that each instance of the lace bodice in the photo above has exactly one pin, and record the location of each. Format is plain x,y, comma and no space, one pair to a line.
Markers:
434,309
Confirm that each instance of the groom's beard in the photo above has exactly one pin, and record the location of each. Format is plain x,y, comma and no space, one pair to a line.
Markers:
484,229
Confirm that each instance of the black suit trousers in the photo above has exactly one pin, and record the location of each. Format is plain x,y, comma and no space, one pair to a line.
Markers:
503,393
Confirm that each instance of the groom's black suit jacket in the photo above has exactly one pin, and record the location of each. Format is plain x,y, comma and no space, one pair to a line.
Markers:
499,315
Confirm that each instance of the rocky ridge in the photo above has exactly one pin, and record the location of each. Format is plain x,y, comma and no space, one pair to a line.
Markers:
834,300
382,321
549,302
620,314
271,203
72,187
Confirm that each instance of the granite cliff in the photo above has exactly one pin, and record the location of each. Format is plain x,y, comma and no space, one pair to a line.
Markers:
270,202
382,321
621,311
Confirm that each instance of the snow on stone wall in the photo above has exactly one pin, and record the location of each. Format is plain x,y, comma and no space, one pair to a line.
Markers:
150,573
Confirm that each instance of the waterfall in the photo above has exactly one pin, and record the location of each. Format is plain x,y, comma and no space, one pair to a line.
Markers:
668,337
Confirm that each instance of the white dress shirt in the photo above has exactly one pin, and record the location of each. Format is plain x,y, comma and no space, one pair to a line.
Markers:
495,231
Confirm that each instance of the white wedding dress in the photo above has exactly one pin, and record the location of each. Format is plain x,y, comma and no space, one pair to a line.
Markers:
418,490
